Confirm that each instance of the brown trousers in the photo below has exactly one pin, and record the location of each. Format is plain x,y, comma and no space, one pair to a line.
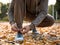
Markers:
19,15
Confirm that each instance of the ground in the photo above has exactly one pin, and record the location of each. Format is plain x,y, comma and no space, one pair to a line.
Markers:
46,36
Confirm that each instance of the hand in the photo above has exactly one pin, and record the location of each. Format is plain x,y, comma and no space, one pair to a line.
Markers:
26,29
14,27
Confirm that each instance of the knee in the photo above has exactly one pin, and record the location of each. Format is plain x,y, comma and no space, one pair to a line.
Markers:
48,21
51,20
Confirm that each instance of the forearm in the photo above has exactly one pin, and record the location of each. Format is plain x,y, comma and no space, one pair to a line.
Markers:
11,13
11,18
41,16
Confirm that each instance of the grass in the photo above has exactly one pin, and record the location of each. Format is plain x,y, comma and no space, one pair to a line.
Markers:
57,21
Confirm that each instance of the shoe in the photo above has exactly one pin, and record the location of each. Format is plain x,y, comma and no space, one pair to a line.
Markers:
34,34
19,37
34,31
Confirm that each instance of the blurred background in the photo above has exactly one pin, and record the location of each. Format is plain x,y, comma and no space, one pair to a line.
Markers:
53,9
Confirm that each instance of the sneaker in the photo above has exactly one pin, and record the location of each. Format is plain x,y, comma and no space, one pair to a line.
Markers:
19,37
34,31
34,34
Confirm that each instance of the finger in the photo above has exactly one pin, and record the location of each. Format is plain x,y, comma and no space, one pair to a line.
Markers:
24,28
14,29
21,29
25,31
15,26
21,32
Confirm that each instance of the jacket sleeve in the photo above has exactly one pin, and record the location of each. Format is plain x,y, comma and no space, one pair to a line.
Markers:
42,9
11,13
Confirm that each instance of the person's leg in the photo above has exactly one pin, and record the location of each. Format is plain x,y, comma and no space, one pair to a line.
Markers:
19,11
48,21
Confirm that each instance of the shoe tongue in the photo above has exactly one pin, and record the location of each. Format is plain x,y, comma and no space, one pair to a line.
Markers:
19,35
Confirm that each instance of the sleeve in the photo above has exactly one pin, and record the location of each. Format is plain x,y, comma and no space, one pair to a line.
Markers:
42,8
11,13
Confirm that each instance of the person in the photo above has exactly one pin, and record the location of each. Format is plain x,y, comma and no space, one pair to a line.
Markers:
34,11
